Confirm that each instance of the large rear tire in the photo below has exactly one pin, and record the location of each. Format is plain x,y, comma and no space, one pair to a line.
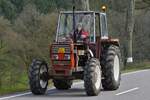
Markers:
37,72
62,84
92,77
111,66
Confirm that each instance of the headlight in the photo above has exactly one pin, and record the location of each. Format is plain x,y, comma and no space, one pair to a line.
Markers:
67,57
55,57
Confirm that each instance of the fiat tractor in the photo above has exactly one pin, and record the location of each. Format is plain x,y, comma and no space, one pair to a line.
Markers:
95,59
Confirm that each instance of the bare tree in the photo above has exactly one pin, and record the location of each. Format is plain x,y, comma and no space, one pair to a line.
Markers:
85,5
130,27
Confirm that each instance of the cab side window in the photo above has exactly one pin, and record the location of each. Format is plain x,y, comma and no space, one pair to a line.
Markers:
104,31
97,25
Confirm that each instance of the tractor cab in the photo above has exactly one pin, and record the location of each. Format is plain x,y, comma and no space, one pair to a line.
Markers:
89,22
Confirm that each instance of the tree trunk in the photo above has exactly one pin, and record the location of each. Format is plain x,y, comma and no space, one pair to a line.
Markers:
130,27
85,5
0,82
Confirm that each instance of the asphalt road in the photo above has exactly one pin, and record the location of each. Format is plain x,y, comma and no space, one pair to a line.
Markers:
134,86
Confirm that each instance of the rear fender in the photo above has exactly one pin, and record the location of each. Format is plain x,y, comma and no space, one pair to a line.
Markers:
111,42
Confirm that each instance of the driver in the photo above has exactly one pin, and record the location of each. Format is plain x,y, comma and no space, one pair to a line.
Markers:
81,34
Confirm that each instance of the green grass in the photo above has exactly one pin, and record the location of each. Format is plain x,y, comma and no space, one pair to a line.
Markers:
21,84
136,67
13,89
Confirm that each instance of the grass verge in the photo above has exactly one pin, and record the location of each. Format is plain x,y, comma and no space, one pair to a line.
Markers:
14,89
136,66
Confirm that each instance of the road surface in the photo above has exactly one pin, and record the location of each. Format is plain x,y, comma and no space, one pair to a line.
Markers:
134,86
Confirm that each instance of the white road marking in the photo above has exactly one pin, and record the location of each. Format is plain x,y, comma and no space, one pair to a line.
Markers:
127,91
135,72
3,98
77,83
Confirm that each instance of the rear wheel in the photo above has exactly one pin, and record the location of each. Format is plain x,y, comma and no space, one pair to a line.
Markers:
62,84
92,77
111,68
38,73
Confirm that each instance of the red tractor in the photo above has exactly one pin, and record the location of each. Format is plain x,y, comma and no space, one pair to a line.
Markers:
82,50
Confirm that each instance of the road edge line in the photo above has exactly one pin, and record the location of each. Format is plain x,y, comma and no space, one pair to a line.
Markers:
134,72
127,91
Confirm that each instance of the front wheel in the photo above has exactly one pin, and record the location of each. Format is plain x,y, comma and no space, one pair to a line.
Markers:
38,72
92,77
111,68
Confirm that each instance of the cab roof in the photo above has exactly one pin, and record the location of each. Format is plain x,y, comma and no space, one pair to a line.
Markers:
79,12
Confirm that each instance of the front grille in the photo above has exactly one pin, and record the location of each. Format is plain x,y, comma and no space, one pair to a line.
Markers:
63,52
55,48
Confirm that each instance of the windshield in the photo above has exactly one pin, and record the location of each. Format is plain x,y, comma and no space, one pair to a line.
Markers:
66,24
